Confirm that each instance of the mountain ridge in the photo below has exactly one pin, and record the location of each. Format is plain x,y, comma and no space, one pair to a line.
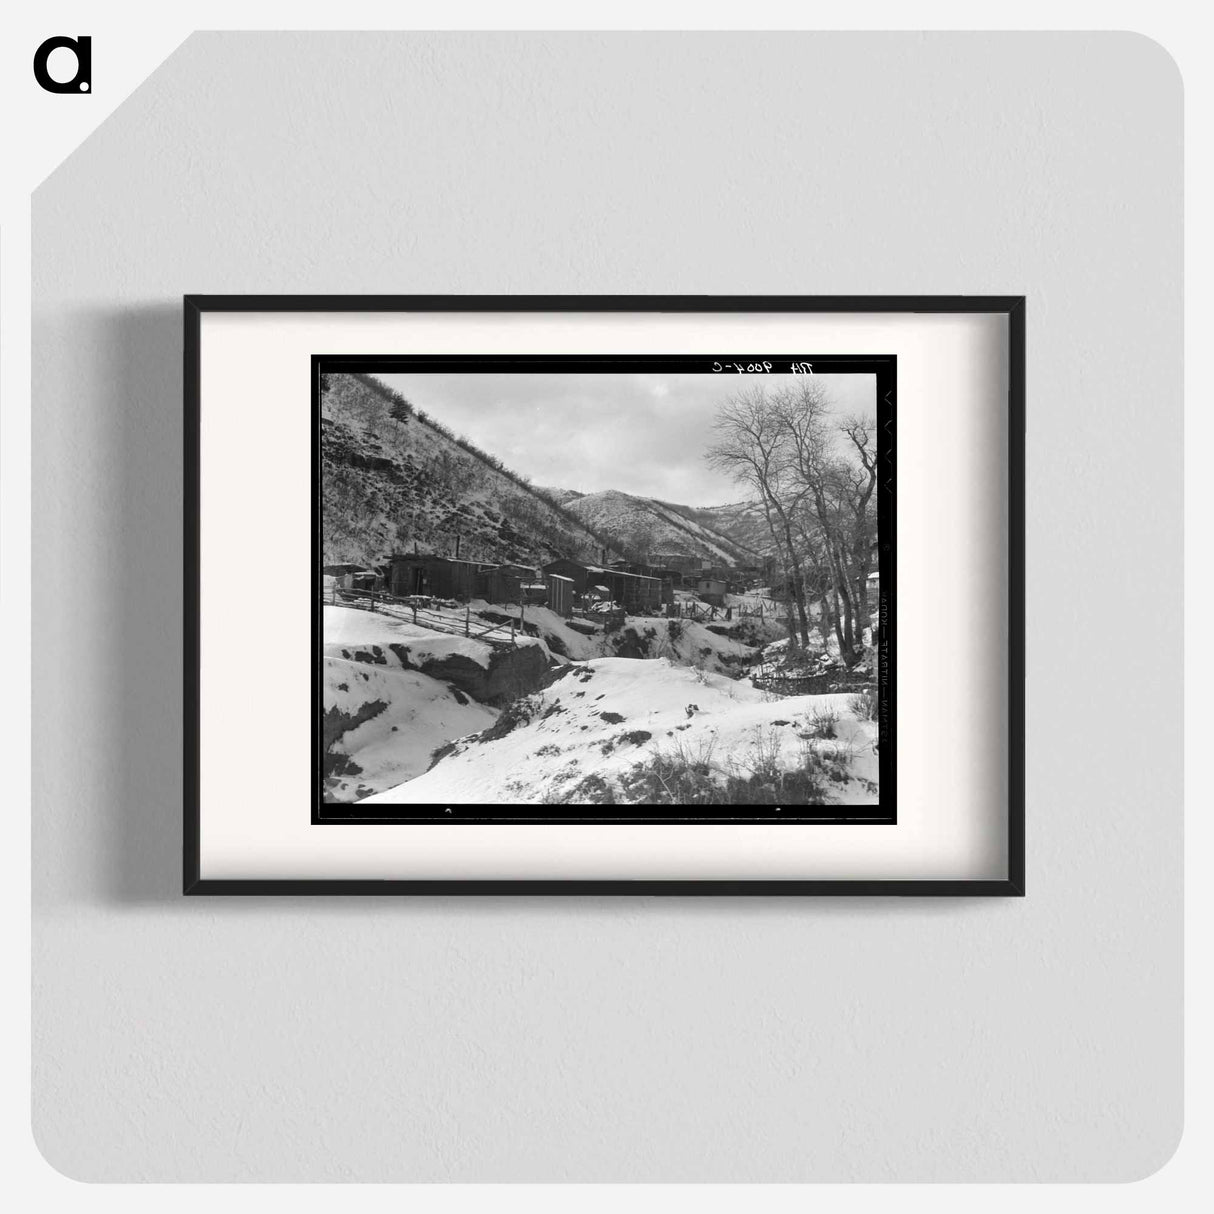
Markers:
734,534
652,526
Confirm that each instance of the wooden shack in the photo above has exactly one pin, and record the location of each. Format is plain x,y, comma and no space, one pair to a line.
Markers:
505,583
711,590
681,561
352,577
575,571
560,593
438,576
634,592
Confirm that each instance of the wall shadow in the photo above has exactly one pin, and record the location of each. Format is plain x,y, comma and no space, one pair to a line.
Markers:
141,394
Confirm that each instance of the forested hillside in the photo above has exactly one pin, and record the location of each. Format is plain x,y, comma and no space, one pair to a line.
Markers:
394,479
648,526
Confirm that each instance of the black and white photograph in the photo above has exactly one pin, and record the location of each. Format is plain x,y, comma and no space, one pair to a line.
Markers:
563,588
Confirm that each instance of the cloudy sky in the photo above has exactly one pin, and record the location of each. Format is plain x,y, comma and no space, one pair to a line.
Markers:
642,434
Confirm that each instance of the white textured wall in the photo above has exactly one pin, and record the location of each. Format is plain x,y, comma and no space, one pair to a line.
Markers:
626,1039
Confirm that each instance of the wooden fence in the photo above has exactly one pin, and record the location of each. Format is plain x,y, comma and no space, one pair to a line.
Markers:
609,620
418,609
763,608
690,610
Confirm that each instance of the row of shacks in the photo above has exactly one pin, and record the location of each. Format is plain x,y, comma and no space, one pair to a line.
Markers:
445,577
651,584
561,584
450,578
644,593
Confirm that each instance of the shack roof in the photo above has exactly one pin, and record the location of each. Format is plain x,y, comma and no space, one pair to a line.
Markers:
420,557
599,570
644,577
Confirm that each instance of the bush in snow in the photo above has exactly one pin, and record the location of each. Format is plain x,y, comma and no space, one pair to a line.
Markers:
682,775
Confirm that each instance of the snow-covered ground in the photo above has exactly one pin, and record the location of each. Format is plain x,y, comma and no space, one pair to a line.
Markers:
602,719
413,716
563,639
399,716
351,629
578,639
670,692
757,600
689,642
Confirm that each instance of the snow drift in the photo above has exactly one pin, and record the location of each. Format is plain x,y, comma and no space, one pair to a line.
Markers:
589,736
492,674
392,693
380,726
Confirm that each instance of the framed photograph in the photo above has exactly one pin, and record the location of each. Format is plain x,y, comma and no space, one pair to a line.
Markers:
617,594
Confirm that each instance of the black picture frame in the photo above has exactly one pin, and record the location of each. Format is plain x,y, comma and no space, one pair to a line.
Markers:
1011,307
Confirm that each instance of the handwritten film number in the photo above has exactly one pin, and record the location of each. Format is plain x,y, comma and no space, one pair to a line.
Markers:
763,368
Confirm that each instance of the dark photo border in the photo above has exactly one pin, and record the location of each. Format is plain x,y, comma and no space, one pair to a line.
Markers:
721,366
1011,307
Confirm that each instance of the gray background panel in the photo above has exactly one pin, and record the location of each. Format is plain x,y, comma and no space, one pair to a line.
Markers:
627,1039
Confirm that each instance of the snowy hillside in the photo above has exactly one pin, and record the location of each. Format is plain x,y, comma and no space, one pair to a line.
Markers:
647,525
390,721
742,523
393,692
717,647
392,478
564,496
620,731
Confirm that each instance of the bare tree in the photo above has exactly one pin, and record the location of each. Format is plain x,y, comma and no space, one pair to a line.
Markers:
753,449
815,479
859,484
